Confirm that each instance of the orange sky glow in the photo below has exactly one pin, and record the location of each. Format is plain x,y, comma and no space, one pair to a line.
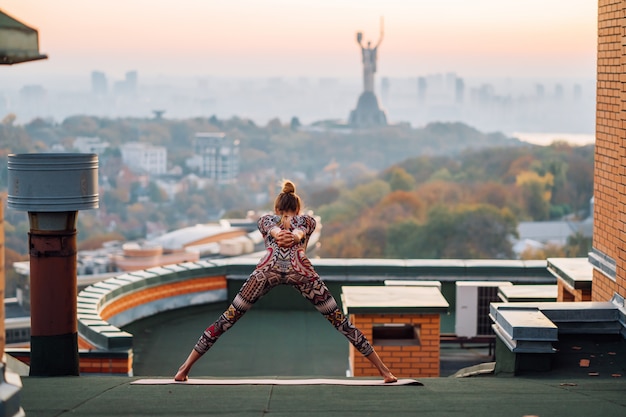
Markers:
246,38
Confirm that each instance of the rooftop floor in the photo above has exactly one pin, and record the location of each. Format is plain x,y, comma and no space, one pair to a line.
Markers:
285,344
441,397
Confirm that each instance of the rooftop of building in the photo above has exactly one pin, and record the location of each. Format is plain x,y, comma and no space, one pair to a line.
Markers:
275,343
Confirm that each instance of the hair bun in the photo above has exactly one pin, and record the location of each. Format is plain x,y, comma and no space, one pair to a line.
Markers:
289,187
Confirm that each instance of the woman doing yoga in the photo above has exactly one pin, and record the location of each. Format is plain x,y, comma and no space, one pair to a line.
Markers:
286,234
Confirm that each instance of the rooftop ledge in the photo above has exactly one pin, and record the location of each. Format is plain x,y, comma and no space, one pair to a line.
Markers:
576,272
393,300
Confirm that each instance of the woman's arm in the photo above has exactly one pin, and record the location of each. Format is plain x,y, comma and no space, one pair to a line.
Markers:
304,228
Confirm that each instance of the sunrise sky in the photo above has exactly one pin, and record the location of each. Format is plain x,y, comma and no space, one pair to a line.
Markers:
293,38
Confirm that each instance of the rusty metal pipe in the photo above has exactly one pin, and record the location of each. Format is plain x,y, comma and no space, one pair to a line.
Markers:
53,292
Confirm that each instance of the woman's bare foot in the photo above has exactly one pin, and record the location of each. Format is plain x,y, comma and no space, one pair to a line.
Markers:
181,375
183,371
390,378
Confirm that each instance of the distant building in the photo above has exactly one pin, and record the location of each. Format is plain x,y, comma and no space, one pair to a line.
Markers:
559,93
540,90
145,157
459,91
422,88
129,85
85,144
132,81
578,91
538,235
216,157
31,93
99,83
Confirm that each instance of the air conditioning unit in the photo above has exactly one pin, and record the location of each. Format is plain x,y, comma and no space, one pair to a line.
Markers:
472,307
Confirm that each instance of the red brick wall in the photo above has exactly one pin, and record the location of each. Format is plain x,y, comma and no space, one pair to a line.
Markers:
610,154
403,361
567,293
122,364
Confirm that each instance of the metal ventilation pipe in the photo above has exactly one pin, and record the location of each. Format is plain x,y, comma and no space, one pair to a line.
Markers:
52,188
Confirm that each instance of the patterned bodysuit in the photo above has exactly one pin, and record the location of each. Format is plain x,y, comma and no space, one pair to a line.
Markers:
288,266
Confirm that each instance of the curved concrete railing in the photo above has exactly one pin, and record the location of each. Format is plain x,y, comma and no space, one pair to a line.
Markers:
106,306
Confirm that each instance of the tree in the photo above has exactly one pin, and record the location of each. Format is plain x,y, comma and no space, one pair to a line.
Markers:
578,245
467,231
353,202
324,196
402,239
536,192
548,251
399,179
373,239
9,119
398,206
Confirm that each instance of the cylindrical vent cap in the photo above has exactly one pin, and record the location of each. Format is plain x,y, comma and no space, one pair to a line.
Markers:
51,182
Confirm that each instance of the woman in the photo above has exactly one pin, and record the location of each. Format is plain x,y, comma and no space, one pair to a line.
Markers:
286,235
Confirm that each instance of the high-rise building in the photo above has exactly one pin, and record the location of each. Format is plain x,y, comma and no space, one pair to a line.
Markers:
559,92
459,91
422,89
540,91
216,157
132,81
127,86
99,84
578,91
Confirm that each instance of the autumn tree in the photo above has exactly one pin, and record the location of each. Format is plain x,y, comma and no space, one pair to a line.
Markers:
403,239
536,192
399,179
466,231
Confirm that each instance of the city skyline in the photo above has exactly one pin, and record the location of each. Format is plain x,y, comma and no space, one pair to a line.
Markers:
506,105
487,38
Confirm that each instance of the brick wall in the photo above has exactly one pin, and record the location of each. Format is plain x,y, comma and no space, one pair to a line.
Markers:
403,361
567,293
610,153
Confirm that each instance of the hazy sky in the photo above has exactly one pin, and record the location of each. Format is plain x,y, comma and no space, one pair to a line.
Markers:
490,38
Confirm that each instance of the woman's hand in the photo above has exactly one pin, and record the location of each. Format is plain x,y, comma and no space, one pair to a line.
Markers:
285,239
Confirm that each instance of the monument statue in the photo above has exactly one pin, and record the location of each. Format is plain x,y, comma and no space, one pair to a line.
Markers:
369,54
367,112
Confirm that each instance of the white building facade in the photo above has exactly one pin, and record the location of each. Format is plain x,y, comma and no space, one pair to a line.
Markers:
145,157
216,157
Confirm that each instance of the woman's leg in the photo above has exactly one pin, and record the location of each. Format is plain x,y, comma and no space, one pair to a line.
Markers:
318,294
252,290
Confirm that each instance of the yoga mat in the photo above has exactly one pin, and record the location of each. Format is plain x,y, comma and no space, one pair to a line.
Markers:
237,381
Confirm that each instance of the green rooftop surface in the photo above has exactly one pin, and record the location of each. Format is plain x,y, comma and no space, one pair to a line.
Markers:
273,343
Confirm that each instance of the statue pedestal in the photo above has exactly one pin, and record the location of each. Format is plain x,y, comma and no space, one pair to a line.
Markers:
367,112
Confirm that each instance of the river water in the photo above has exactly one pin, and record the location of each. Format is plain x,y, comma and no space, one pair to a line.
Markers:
544,139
